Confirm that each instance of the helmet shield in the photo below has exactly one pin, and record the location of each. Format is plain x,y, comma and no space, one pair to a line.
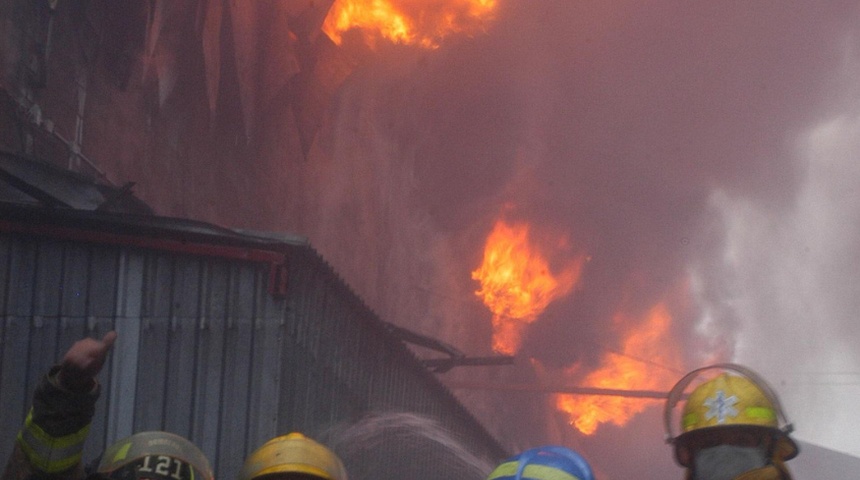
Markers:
154,456
728,405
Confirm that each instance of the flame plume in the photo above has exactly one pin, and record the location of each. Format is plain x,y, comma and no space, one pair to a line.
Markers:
626,370
517,284
409,22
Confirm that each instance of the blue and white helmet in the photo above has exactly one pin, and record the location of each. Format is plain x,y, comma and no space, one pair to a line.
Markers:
550,462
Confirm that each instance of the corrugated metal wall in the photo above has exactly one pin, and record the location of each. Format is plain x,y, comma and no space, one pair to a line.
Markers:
205,351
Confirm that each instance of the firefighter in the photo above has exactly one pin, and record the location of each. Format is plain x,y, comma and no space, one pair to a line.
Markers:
549,462
293,456
50,444
52,439
153,456
732,426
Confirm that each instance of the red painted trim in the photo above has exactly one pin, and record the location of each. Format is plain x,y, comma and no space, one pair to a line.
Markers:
277,261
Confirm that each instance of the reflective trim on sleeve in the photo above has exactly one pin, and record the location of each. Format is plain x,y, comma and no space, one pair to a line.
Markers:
51,454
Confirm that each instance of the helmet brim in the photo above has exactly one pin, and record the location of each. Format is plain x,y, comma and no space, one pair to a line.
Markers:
785,447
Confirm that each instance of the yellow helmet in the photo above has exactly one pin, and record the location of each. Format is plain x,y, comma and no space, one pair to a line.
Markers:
293,453
736,400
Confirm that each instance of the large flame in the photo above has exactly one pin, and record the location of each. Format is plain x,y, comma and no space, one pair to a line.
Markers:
411,22
641,365
517,284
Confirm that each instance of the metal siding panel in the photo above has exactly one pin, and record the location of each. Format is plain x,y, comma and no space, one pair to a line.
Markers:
150,393
104,272
158,275
14,396
313,404
301,304
265,383
242,280
216,296
316,313
49,275
265,376
208,387
305,382
125,358
43,350
301,372
22,264
328,326
271,308
187,275
6,252
287,397
181,373
75,282
237,355
207,393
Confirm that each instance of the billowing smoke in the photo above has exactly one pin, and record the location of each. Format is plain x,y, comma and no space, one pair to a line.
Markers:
701,155
672,142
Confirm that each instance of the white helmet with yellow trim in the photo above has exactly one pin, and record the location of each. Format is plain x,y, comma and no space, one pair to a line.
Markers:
728,404
154,455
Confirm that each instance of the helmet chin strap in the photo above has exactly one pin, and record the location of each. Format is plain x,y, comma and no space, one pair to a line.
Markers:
768,472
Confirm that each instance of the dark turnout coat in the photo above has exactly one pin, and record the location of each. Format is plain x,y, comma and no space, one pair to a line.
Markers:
50,443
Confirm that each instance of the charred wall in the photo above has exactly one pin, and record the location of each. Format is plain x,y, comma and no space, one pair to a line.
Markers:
207,106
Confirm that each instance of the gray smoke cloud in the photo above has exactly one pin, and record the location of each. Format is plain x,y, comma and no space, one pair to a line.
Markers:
670,141
701,154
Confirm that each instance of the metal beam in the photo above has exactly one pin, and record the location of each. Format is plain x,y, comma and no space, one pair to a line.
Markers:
557,389
442,365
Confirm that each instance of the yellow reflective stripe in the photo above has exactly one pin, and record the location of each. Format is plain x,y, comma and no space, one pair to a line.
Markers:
689,420
760,412
543,472
121,453
51,454
507,469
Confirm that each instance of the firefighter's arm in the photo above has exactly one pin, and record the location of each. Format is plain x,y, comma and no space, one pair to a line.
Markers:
52,439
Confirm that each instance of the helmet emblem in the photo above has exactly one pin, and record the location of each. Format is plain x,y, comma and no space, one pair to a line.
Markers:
721,407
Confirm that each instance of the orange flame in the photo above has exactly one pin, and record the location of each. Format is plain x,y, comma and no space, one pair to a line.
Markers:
409,22
637,367
516,283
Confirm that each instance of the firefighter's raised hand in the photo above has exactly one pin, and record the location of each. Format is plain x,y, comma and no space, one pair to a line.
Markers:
83,361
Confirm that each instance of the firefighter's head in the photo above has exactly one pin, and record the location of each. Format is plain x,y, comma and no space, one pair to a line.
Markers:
293,456
544,463
154,456
730,423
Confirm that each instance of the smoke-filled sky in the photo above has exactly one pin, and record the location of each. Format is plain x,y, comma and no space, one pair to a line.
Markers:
701,154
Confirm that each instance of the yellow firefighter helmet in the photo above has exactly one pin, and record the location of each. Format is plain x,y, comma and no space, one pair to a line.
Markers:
293,453
730,407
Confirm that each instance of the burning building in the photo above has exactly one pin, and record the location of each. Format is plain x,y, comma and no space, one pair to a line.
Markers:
594,170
